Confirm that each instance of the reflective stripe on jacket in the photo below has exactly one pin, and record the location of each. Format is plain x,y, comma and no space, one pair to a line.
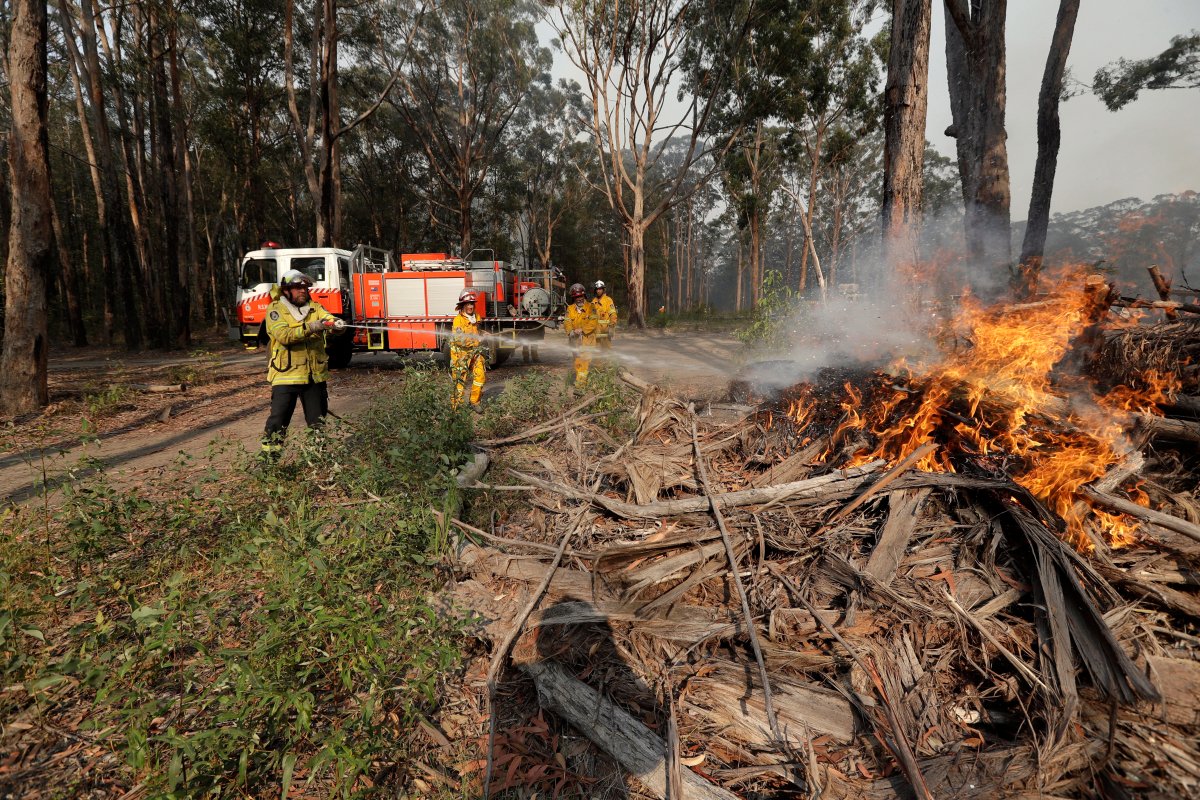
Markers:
297,355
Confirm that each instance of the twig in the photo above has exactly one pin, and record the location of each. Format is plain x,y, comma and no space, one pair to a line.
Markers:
505,542
564,419
908,761
881,484
501,655
702,473
1017,663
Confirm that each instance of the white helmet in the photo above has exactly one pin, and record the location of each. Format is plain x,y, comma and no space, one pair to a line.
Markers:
598,285
294,277
466,297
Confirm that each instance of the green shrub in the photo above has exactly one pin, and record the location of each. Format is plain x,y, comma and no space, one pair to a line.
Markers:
200,370
773,318
238,633
108,400
529,398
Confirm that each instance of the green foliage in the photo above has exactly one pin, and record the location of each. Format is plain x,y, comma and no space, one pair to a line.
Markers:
615,399
241,633
774,316
533,396
108,400
201,369
1177,67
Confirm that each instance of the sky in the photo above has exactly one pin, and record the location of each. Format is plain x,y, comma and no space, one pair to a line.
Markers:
1150,147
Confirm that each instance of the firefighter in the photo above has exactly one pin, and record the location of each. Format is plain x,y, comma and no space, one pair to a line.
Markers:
606,316
298,369
581,327
468,356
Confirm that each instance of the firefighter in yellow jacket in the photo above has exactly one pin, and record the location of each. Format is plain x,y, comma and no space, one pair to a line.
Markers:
606,315
299,368
468,355
581,327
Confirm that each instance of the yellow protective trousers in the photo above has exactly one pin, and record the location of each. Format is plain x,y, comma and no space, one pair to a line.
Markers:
467,365
583,361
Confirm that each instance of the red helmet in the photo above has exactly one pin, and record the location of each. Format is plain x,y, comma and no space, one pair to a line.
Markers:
466,297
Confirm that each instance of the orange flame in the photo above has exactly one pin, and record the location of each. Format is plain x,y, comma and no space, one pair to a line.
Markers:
1008,379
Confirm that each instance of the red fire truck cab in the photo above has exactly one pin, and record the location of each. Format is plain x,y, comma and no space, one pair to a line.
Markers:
403,308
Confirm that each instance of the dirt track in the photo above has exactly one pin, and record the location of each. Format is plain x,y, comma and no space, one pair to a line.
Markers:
141,438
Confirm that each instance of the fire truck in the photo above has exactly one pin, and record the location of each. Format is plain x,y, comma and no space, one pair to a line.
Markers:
405,308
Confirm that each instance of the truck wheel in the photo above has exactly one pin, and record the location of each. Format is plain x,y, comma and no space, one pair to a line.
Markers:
443,340
340,352
497,356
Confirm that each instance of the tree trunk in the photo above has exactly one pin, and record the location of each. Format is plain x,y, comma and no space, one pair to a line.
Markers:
906,102
754,165
975,69
1049,134
23,361
176,296
635,275
741,266
813,177
115,240
189,276
327,202
75,67
69,280
127,229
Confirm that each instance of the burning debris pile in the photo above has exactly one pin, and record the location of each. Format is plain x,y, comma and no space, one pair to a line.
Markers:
969,578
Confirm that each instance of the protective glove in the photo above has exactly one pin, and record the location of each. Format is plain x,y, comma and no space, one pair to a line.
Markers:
314,326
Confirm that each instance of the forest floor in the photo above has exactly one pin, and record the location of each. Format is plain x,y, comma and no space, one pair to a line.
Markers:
99,420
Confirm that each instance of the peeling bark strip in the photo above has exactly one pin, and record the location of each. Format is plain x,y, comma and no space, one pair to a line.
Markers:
30,244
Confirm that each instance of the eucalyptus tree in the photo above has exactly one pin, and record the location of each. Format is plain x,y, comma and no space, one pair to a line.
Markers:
975,67
633,55
23,359
1049,137
906,105
550,160
472,66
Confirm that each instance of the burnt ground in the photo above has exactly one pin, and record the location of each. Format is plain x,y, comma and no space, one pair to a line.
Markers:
135,435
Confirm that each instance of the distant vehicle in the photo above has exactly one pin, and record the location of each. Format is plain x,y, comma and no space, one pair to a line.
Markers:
404,309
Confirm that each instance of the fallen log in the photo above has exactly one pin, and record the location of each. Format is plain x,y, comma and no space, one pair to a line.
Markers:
1167,428
615,731
159,388
1183,402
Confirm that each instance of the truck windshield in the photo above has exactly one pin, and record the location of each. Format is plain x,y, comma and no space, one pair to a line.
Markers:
312,266
258,270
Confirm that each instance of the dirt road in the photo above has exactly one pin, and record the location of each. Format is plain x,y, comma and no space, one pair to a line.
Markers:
145,435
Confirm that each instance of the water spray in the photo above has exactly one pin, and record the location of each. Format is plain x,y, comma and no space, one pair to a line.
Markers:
492,338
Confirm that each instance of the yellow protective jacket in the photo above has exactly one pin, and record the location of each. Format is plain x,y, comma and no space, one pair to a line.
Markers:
582,322
606,313
464,337
297,356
